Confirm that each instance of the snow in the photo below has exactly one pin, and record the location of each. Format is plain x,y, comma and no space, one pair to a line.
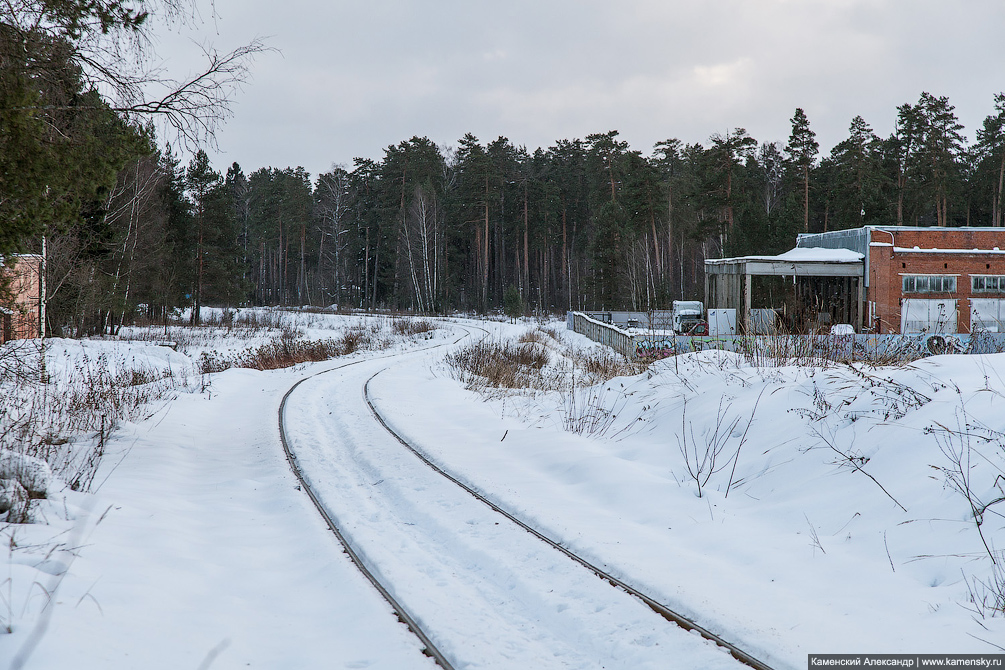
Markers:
804,254
832,523
205,548
526,606
918,250
819,254
34,473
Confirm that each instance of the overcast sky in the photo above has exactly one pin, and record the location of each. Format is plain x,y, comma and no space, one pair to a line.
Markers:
350,78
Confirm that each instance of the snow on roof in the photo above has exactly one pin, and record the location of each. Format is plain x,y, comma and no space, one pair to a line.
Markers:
805,255
918,250
820,254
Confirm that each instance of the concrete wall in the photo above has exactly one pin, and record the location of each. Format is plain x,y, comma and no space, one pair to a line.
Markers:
659,319
604,333
767,348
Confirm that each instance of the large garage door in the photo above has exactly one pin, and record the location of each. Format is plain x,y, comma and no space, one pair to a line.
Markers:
928,316
987,314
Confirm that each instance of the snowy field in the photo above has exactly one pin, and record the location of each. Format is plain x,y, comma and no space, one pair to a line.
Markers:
791,510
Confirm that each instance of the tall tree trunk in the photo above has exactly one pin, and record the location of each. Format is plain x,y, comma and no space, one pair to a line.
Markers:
286,271
566,268
656,243
196,315
526,243
302,279
806,199
900,198
485,254
998,201
366,268
376,265
610,172
280,274
261,272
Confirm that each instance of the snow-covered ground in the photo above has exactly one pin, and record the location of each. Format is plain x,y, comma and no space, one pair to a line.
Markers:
834,518
865,546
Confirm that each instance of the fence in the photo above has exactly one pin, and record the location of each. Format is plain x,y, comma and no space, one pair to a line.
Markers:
865,347
604,333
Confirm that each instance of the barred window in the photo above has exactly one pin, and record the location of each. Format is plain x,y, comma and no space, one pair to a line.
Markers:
987,283
930,284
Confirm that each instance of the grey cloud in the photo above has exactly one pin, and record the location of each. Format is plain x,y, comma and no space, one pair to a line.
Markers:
354,77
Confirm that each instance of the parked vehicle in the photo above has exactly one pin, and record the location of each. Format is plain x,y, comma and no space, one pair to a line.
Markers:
688,318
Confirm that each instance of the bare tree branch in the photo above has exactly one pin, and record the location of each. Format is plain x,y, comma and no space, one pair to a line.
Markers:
109,43
194,108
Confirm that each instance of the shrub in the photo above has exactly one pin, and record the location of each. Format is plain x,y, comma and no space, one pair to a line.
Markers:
513,303
409,327
54,424
499,364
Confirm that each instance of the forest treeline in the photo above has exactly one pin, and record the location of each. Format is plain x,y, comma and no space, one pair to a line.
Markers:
80,175
584,224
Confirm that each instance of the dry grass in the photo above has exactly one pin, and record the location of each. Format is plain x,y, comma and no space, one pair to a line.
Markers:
603,364
538,336
410,327
498,364
62,420
536,360
291,347
539,361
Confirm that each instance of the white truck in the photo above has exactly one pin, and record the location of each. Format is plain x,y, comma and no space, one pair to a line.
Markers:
688,317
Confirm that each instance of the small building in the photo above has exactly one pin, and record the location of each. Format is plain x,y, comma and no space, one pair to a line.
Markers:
22,314
905,280
811,287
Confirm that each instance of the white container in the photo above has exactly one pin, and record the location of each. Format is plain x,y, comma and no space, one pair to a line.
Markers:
722,322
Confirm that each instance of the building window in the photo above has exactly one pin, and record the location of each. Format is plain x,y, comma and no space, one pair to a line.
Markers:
930,284
987,283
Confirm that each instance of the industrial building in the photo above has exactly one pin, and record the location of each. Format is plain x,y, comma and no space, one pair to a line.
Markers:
22,311
881,279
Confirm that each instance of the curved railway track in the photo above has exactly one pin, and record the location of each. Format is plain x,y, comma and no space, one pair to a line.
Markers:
429,649
403,613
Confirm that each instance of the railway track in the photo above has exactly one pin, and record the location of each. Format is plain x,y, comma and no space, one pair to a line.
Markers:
416,623
429,649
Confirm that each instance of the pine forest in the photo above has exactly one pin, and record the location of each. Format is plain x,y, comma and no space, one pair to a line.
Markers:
583,224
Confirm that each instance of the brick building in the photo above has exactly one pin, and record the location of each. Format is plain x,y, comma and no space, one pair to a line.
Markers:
948,280
22,314
883,279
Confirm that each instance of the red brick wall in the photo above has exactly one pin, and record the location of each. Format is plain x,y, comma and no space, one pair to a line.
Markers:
886,267
25,287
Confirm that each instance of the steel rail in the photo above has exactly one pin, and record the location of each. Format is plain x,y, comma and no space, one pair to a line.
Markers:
429,648
664,611
402,613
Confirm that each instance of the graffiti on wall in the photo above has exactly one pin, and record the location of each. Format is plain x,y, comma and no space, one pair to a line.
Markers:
867,347
889,346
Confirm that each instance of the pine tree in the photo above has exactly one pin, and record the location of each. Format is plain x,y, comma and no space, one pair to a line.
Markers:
856,189
904,147
473,203
722,163
941,148
214,237
61,146
802,149
990,156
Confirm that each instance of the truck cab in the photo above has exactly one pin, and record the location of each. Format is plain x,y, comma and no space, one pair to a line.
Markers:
688,317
